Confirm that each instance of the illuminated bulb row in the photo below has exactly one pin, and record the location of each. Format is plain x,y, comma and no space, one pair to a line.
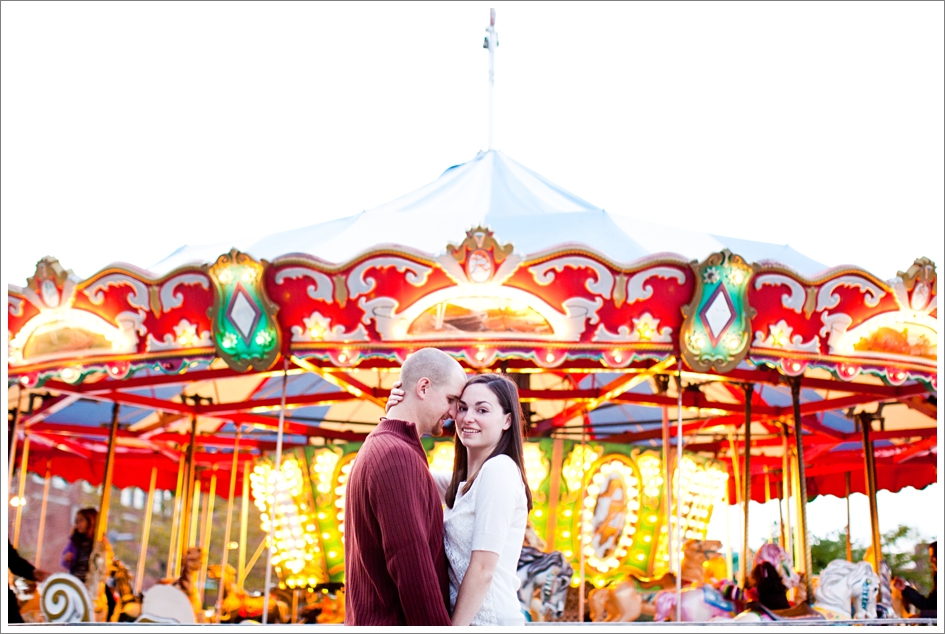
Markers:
577,463
323,469
536,467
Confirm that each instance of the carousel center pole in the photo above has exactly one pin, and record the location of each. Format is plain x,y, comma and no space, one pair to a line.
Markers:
278,474
229,522
786,491
746,496
146,532
490,43
802,486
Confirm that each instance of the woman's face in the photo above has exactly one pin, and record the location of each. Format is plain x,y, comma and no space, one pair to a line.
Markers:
480,420
81,524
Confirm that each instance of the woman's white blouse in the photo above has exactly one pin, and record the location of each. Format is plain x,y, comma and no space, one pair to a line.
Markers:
491,516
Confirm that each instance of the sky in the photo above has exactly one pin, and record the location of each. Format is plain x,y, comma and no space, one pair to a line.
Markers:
131,129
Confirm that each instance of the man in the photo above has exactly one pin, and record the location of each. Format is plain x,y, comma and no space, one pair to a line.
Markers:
927,606
21,568
395,563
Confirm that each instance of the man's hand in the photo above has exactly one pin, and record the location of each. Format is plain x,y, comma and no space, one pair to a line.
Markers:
40,575
899,583
396,396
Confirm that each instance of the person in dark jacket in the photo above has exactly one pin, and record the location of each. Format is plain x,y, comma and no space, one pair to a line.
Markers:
928,605
21,568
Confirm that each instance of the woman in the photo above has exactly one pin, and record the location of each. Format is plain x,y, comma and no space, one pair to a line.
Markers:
487,503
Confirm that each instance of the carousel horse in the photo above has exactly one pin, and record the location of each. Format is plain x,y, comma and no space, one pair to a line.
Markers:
239,607
187,581
548,575
128,606
705,602
620,604
27,596
331,607
841,583
889,604
693,571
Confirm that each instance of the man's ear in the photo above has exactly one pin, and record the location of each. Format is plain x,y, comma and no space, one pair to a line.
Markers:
423,387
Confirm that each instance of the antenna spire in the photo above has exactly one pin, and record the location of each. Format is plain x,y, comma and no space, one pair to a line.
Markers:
491,41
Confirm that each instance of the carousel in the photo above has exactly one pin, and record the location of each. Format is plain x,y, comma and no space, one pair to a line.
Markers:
665,374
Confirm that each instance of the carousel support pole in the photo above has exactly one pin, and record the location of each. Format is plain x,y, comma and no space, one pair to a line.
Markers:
42,516
583,577
662,385
229,522
21,493
802,485
796,496
188,491
746,497
244,526
208,529
175,519
846,478
729,564
146,532
554,490
102,526
738,485
866,422
768,499
786,491
194,515
278,472
14,431
679,444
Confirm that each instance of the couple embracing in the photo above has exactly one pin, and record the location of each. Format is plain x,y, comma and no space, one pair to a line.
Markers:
409,559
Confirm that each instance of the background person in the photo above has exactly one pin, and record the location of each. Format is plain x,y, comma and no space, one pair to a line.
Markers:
928,605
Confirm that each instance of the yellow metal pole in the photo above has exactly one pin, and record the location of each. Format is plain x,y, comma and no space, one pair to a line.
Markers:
42,517
175,521
194,514
21,494
229,521
146,531
244,528
554,491
801,485
15,432
211,499
846,479
749,392
102,526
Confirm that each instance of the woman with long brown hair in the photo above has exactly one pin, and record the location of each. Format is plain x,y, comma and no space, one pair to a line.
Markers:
487,503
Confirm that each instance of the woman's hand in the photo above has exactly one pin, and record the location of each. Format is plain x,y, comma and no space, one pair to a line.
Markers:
476,582
396,396
67,558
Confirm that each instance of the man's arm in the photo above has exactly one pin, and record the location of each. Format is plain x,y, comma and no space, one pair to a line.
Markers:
911,595
19,566
398,497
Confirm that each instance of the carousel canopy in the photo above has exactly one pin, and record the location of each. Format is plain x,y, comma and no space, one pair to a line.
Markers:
590,312
518,205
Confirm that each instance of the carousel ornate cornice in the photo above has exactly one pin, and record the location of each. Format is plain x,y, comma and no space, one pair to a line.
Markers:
483,303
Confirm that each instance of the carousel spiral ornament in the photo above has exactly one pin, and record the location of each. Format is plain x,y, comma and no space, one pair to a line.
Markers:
64,599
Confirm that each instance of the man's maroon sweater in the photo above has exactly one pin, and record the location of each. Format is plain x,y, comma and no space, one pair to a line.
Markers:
395,565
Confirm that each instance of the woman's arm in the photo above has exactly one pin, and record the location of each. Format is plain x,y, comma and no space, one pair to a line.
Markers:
475,584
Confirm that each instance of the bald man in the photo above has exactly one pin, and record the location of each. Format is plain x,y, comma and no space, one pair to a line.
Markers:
395,565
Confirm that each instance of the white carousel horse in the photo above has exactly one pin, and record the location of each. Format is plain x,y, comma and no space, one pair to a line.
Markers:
165,603
842,582
548,575
65,599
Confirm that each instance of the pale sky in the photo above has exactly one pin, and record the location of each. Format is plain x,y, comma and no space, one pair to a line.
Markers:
130,129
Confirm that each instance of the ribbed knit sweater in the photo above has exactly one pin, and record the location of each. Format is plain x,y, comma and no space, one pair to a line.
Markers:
395,564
